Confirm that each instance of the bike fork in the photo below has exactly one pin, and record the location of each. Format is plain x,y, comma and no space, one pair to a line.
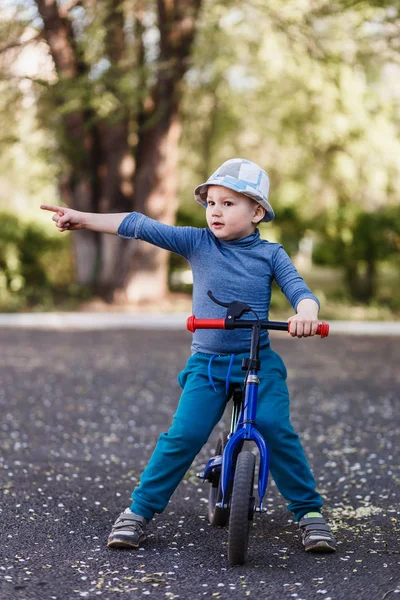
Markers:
246,430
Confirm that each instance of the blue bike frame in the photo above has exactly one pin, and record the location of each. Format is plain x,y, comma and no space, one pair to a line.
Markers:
245,430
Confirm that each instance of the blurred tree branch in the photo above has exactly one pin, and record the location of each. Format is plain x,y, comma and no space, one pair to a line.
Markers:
21,43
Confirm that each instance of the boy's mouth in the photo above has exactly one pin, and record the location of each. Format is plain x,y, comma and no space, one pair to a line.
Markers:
217,224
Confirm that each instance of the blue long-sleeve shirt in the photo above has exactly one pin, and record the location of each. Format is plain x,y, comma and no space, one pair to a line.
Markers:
241,269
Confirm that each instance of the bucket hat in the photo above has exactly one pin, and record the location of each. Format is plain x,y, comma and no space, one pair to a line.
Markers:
242,176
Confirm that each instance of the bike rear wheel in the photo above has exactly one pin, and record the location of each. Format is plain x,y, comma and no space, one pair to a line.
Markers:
217,515
241,508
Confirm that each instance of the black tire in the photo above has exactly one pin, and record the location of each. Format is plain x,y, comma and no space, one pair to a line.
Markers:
218,516
241,509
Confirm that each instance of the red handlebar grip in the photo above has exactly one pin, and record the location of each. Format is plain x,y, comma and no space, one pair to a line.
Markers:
192,323
323,329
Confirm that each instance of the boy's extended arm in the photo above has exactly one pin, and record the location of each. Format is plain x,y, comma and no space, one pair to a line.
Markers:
182,240
67,219
305,321
104,223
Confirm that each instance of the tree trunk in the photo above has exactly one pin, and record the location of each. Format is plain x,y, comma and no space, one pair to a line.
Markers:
106,186
155,185
157,152
104,175
362,286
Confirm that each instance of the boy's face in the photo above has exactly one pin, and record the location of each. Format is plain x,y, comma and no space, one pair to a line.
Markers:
231,215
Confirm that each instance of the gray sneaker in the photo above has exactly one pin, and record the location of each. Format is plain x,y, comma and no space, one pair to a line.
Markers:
316,533
128,531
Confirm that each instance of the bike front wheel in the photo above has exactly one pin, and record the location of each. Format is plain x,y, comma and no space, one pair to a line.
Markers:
241,508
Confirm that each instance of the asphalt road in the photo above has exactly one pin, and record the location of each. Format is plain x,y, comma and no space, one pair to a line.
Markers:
81,412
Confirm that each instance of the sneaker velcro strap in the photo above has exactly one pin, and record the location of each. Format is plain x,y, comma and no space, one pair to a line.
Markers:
125,519
305,521
130,526
318,527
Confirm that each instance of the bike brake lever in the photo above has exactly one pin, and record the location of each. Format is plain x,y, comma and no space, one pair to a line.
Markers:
235,309
224,304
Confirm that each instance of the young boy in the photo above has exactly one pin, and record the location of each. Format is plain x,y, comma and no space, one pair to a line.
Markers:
231,259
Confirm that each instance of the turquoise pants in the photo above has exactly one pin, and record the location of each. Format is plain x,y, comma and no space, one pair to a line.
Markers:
201,407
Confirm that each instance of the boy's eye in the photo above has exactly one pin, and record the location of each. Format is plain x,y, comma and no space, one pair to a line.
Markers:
227,203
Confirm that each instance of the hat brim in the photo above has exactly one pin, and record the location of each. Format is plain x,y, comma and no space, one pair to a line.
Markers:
200,194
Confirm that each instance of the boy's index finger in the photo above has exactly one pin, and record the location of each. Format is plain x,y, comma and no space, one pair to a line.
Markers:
58,209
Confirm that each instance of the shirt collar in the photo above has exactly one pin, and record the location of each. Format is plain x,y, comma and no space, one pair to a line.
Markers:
249,240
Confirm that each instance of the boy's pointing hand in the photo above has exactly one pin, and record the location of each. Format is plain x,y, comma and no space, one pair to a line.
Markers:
65,219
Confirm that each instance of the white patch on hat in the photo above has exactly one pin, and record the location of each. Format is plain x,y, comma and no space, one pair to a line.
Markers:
232,161
249,172
264,185
252,190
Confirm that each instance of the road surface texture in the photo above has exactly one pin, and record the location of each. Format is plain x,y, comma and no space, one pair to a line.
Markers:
81,412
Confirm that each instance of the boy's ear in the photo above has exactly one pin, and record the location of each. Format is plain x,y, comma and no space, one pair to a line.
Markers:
259,213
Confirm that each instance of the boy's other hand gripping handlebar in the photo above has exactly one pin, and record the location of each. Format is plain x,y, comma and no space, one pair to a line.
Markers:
192,324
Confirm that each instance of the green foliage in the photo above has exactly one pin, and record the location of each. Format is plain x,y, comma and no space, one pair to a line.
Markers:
360,245
35,267
372,235
290,228
309,95
308,90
